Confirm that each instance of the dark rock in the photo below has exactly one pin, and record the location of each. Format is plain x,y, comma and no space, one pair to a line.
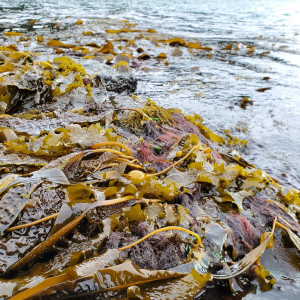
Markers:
117,84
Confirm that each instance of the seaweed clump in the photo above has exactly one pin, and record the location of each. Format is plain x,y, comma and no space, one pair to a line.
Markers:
101,203
112,201
150,111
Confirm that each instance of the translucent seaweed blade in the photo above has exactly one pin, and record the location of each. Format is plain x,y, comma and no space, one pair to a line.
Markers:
295,239
72,163
8,181
239,267
12,188
51,175
76,272
49,242
112,278
246,262
11,205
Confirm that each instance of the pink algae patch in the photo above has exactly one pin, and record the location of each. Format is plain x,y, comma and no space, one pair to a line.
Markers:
184,126
146,154
246,229
169,139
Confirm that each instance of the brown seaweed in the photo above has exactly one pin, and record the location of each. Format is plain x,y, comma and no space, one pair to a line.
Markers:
9,187
110,187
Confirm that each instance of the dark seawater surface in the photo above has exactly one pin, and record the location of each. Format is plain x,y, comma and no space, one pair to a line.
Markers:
214,89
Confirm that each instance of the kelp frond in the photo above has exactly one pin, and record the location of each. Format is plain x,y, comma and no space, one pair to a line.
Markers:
286,222
44,64
239,267
33,223
112,151
277,203
139,176
160,230
138,110
99,145
271,179
135,276
48,243
294,238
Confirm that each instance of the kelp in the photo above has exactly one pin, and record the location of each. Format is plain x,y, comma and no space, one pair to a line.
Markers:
21,84
34,83
19,168
67,66
120,277
34,114
204,130
9,186
60,142
145,187
294,238
33,223
160,230
13,33
124,191
56,43
48,243
250,258
150,111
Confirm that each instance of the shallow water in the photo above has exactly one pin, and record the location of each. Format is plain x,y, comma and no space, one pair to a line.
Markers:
271,124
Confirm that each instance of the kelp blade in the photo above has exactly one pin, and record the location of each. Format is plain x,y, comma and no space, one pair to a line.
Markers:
116,278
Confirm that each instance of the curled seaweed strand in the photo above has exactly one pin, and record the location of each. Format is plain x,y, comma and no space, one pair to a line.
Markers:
160,230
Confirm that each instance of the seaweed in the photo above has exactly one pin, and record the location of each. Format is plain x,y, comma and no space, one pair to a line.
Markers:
124,198
108,173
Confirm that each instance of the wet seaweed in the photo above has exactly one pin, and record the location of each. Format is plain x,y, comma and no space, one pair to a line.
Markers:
119,199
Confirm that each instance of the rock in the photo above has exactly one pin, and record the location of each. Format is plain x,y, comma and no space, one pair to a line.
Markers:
122,57
117,84
6,134
176,52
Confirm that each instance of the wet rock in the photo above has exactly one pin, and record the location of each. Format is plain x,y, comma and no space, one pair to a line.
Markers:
117,84
149,70
176,52
122,57
195,69
6,134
